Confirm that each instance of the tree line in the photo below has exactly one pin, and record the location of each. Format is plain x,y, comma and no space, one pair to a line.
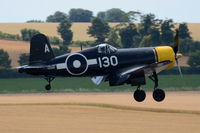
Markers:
84,15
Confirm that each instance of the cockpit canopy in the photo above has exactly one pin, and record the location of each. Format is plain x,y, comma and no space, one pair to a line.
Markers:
106,48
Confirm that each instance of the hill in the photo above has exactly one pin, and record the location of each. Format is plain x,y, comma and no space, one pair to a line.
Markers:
79,29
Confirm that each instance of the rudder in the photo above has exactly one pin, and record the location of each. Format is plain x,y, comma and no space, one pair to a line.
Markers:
40,50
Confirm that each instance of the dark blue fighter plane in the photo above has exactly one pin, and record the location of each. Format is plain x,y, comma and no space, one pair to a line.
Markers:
103,63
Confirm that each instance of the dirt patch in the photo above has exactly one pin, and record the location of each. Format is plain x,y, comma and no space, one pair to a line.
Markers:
61,117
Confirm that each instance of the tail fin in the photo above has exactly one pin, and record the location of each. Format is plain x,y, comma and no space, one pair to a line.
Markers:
40,50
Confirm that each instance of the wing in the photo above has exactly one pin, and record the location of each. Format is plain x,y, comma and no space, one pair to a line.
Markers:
123,75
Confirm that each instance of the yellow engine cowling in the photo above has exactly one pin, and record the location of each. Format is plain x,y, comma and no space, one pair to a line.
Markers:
165,53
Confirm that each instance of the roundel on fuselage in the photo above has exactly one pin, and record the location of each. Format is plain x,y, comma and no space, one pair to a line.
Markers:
76,64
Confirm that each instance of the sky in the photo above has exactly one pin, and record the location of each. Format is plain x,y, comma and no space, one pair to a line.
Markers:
23,10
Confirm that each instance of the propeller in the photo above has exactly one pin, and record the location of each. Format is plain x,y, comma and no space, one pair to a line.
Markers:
81,47
175,48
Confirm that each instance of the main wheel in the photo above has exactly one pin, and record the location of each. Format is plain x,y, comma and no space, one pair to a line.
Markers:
158,95
139,95
48,87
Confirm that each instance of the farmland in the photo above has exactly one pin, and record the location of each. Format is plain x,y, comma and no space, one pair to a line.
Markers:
79,29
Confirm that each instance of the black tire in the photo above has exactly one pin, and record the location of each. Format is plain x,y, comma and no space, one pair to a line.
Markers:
139,95
159,95
48,87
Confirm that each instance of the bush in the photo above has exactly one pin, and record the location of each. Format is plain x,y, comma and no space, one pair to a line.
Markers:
185,70
55,40
84,43
61,50
4,59
27,34
24,59
9,36
194,59
12,73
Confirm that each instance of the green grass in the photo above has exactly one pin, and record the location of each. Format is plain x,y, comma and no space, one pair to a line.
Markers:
167,82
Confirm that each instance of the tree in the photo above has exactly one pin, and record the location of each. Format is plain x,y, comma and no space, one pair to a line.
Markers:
101,15
80,15
149,29
132,16
35,21
99,29
148,22
128,35
27,34
61,50
65,31
167,27
194,59
116,15
113,38
5,62
155,36
146,41
184,31
57,17
23,59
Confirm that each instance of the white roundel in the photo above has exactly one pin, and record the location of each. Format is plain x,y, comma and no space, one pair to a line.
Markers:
76,64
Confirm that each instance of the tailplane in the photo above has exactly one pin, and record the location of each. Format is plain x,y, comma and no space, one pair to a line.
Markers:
40,50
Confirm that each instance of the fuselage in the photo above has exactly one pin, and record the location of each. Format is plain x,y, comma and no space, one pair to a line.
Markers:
93,62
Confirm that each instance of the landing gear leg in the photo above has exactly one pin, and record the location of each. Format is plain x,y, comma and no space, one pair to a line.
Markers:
139,95
158,94
49,80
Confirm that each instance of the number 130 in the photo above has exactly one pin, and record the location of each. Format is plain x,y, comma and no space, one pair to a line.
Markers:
106,61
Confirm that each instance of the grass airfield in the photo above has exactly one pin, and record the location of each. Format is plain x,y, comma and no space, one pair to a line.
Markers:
99,113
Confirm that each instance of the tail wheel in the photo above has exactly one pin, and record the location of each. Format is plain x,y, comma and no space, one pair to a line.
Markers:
158,95
49,80
139,95
48,87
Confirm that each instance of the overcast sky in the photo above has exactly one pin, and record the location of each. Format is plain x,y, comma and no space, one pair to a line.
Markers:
23,10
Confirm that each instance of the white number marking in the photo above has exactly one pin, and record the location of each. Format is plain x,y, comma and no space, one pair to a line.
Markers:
106,61
113,60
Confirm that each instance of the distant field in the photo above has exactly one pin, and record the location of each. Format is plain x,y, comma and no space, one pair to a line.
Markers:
167,82
79,29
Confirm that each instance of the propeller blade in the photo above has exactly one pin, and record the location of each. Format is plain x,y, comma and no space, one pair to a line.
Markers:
179,68
81,47
176,42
